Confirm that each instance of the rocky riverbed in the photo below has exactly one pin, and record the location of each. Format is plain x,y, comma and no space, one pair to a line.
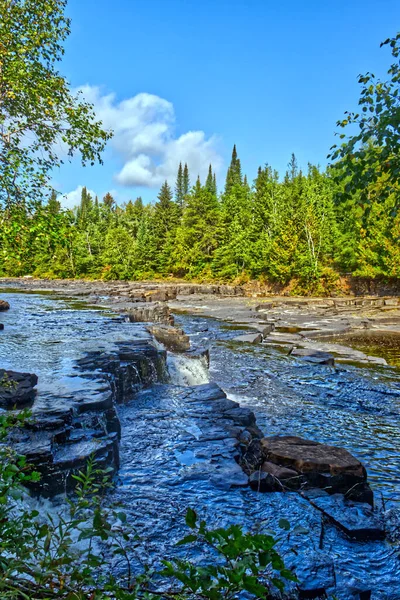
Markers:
102,376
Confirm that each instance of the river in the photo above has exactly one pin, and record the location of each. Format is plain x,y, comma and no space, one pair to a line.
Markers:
160,476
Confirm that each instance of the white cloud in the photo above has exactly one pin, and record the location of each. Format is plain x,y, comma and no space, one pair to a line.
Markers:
145,141
72,199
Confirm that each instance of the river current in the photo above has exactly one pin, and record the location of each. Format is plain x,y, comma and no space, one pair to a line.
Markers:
352,406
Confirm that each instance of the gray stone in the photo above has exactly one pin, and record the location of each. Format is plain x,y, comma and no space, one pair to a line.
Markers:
251,338
314,356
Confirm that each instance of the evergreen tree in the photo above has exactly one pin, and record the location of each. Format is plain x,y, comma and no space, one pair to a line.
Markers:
210,181
186,180
165,222
234,174
180,188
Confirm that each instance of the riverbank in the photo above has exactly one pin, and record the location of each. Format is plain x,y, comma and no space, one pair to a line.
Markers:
338,326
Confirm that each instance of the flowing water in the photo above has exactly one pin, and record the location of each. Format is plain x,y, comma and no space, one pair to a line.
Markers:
166,447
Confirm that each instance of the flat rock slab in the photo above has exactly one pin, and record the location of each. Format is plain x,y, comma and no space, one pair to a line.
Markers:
355,519
306,456
314,356
251,338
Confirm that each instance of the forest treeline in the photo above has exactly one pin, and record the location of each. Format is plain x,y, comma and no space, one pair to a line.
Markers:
303,230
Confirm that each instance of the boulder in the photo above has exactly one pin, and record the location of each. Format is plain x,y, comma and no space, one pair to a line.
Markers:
313,356
4,305
251,338
303,464
16,389
309,457
1,326
173,338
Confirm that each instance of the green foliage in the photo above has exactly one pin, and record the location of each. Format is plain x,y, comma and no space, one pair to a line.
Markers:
372,152
38,112
243,562
300,232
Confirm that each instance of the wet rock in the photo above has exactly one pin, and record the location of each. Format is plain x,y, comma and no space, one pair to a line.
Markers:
302,464
1,326
314,356
58,470
357,520
263,482
199,354
251,338
172,338
16,389
4,305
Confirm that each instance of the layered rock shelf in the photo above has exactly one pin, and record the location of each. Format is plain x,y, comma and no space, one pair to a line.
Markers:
60,442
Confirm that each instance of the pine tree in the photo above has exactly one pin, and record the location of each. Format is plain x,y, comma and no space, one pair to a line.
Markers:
215,189
165,222
186,180
210,181
234,174
179,188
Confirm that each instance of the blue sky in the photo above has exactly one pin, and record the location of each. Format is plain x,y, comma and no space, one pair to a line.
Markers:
185,80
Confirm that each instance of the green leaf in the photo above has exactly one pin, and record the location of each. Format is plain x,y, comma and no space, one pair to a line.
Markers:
191,518
187,540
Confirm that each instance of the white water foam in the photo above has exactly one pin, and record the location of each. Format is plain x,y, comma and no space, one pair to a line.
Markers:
186,371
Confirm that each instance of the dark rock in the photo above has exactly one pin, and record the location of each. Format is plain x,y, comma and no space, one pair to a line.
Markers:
173,338
314,356
1,326
199,353
357,520
277,471
4,305
260,481
16,389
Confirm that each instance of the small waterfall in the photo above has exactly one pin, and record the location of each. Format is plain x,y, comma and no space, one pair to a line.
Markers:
186,371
